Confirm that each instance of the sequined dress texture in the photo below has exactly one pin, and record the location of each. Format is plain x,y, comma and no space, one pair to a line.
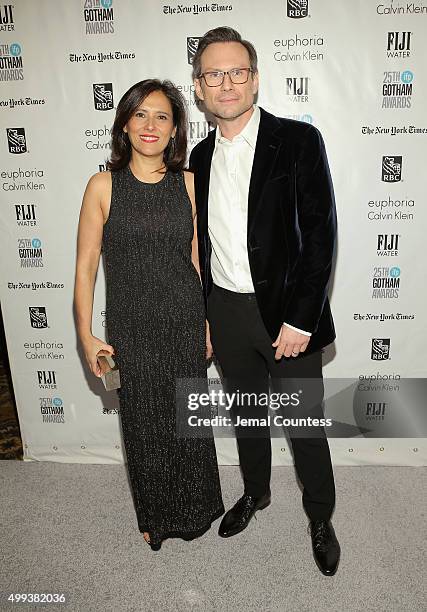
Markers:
156,323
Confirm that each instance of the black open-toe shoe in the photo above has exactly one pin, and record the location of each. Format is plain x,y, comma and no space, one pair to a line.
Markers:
154,545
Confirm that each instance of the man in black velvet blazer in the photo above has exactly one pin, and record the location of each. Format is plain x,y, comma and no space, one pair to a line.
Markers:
266,225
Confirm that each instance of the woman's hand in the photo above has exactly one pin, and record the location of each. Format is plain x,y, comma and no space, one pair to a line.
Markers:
92,346
209,349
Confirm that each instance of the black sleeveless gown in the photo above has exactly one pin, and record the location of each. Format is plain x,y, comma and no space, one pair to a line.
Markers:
156,323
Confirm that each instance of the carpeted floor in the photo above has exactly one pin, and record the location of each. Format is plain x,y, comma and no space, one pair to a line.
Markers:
71,528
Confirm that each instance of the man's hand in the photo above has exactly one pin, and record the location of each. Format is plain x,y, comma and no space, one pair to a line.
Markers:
209,349
290,343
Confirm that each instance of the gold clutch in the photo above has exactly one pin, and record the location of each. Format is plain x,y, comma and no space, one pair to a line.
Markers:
110,373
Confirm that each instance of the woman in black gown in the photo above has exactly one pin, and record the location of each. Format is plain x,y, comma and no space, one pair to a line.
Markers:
142,213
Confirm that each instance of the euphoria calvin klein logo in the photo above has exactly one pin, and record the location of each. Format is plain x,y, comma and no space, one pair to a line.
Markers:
99,16
16,140
297,9
388,244
397,89
38,317
391,168
297,89
192,44
398,44
6,18
103,96
380,350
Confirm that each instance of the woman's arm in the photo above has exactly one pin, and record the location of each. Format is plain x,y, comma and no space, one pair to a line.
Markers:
189,183
89,241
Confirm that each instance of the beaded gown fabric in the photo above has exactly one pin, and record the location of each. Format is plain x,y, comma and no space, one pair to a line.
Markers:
156,323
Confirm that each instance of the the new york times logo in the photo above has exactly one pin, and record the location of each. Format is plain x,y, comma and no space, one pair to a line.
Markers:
16,140
297,9
103,96
38,317
391,168
398,44
46,379
192,44
99,16
11,64
297,89
6,18
380,350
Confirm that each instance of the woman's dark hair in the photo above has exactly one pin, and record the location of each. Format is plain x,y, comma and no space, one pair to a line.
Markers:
176,152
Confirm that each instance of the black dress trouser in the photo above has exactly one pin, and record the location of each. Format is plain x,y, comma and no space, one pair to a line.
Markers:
244,350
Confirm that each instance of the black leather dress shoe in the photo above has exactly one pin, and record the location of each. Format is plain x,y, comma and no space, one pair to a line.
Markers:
326,549
237,519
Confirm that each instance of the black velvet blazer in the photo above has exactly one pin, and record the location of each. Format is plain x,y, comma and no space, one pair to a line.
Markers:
291,225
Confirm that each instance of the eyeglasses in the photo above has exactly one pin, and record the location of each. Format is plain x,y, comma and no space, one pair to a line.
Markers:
238,76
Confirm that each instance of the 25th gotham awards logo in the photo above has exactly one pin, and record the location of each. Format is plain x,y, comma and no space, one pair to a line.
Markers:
30,252
380,349
397,89
11,63
386,282
16,140
52,410
38,317
6,18
192,44
297,9
99,16
296,89
398,44
103,96
391,168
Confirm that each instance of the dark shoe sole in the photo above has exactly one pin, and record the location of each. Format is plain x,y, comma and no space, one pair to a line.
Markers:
240,529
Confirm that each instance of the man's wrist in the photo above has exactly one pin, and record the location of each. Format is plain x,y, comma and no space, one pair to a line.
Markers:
301,331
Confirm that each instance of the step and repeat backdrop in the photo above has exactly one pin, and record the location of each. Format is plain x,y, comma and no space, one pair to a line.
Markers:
355,69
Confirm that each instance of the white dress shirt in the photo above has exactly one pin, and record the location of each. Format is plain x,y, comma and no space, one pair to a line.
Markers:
230,176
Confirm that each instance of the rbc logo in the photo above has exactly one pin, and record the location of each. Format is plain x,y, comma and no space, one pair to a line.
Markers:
380,349
297,9
192,44
16,140
391,168
103,96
